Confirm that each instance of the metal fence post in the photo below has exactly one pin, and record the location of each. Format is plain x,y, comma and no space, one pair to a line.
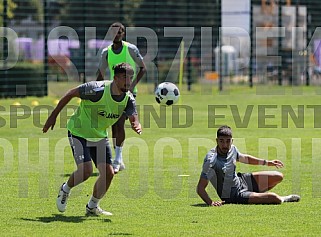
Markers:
5,46
45,59
220,88
280,42
251,45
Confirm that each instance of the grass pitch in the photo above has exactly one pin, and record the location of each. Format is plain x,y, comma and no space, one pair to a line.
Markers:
155,195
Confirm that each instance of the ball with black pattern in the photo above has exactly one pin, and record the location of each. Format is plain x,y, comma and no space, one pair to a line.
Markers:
167,93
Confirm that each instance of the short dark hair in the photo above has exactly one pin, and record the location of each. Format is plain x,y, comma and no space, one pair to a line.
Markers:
123,68
224,131
119,25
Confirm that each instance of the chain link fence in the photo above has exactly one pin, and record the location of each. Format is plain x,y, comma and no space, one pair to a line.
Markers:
224,42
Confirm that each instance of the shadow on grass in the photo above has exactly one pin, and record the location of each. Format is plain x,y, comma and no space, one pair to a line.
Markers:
120,233
199,205
94,174
62,218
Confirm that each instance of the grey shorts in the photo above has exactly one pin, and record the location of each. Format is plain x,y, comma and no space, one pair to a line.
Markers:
241,194
84,150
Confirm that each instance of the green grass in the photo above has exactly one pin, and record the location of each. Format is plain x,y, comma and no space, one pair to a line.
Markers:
149,198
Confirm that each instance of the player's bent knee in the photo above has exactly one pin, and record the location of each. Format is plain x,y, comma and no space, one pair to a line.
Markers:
110,173
278,176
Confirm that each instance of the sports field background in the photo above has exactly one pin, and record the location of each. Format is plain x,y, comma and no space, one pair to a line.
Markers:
155,195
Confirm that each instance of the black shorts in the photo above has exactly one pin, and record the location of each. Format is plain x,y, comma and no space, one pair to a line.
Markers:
241,194
84,150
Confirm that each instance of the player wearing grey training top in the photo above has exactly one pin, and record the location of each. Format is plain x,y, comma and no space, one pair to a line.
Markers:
219,168
220,171
87,133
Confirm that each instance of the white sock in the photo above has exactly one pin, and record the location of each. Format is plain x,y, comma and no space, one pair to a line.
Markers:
66,188
118,154
93,202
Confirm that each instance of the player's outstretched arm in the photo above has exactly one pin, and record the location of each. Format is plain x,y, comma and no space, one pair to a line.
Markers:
51,121
136,126
252,160
201,191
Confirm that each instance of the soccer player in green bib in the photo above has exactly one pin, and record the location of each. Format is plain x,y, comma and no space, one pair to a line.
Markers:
102,104
118,52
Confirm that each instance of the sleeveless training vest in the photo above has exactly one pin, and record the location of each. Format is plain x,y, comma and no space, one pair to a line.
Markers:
91,119
123,57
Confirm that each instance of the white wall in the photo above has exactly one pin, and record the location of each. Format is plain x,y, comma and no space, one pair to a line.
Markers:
236,13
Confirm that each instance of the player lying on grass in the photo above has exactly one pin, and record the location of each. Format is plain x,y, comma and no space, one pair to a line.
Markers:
239,188
102,104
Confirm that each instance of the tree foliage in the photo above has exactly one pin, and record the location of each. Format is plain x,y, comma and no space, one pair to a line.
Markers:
80,13
11,6
28,9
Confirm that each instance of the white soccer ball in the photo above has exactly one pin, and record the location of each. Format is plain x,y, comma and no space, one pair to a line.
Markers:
166,93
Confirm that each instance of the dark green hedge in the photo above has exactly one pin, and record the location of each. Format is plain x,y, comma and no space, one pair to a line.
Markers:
24,79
